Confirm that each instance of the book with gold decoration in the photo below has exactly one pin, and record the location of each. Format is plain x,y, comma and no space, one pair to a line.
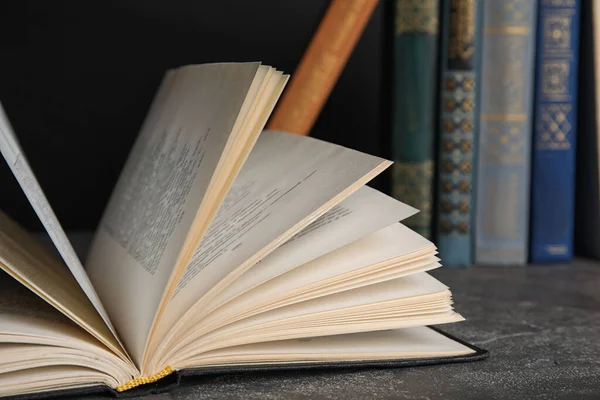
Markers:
416,29
505,132
223,248
555,129
459,124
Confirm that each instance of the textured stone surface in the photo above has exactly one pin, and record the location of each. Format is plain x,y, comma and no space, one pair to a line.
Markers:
540,323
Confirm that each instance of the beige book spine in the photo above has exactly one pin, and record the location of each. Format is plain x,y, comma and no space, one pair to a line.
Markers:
321,65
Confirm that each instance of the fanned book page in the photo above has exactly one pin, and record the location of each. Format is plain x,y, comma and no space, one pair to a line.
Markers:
11,150
223,247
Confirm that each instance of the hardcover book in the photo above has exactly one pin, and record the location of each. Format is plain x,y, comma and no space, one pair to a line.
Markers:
503,170
459,99
221,249
555,128
414,108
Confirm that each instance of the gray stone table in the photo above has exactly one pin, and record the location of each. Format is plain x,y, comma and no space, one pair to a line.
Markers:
541,325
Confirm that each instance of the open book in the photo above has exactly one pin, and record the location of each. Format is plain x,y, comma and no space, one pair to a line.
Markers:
221,245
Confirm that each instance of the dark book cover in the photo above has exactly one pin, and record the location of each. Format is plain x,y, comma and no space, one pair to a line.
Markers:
414,108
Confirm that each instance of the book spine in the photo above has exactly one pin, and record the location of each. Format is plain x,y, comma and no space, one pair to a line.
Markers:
321,65
413,122
553,165
503,171
459,98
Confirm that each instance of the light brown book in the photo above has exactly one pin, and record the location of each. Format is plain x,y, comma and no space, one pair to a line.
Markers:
222,245
321,65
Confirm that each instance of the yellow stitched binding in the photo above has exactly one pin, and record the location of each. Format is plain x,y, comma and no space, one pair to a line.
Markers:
146,379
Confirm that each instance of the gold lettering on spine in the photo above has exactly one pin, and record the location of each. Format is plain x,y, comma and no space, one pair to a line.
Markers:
505,117
417,16
462,29
509,30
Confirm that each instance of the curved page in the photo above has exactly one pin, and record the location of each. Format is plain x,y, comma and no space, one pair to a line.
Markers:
11,150
287,183
168,173
414,342
33,336
361,214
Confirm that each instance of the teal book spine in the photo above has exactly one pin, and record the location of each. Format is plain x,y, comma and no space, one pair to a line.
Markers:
459,106
414,108
505,132
555,131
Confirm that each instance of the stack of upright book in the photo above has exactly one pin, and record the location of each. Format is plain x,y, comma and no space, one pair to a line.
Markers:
501,123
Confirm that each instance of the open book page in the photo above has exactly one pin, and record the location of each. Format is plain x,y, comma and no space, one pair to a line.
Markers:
361,214
414,300
25,318
287,182
46,337
387,254
50,378
394,251
11,150
174,162
232,162
30,263
380,345
368,301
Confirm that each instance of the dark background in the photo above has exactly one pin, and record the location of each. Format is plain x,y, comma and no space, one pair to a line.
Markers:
77,77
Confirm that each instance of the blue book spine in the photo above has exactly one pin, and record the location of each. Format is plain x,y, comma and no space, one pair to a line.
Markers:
505,132
553,174
459,106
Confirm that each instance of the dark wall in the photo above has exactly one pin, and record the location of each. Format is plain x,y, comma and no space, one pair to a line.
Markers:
77,77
